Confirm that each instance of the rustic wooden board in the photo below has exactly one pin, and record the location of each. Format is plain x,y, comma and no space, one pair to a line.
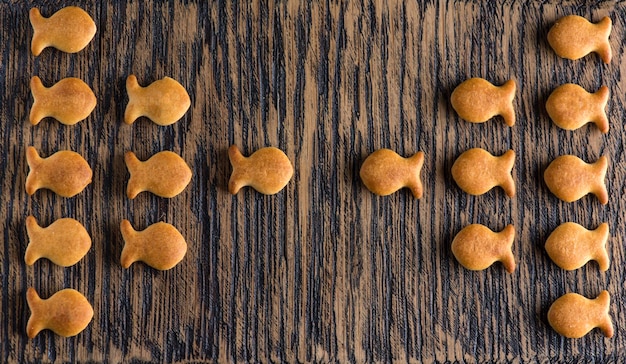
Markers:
324,270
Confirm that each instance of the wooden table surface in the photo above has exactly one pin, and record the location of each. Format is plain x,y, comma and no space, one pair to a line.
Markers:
324,270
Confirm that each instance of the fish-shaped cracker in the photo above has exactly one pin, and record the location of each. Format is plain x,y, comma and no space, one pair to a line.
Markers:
165,174
68,101
570,178
476,247
477,100
571,106
164,101
66,312
476,171
160,245
268,170
69,30
64,242
65,172
574,37
573,315
571,246
385,171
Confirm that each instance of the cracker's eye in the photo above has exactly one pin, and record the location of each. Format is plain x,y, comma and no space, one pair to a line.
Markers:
570,178
68,101
476,247
165,174
66,312
573,315
160,245
574,37
476,100
65,172
64,242
476,171
164,101
69,30
571,107
268,170
571,246
384,172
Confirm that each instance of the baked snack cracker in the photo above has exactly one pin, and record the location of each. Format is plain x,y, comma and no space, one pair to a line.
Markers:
164,101
68,101
570,178
160,245
165,174
66,313
65,172
476,171
573,315
69,30
384,172
571,107
64,242
268,170
477,100
571,246
476,247
574,37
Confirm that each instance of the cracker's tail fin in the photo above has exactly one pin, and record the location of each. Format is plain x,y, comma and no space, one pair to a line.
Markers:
604,47
601,121
508,111
132,109
38,43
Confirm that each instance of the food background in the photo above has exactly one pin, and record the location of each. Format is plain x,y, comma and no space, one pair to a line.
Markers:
324,270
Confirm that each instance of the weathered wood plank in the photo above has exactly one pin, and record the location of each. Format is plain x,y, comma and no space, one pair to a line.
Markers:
324,270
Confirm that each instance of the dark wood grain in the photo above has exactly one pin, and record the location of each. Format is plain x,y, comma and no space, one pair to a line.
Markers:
324,270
